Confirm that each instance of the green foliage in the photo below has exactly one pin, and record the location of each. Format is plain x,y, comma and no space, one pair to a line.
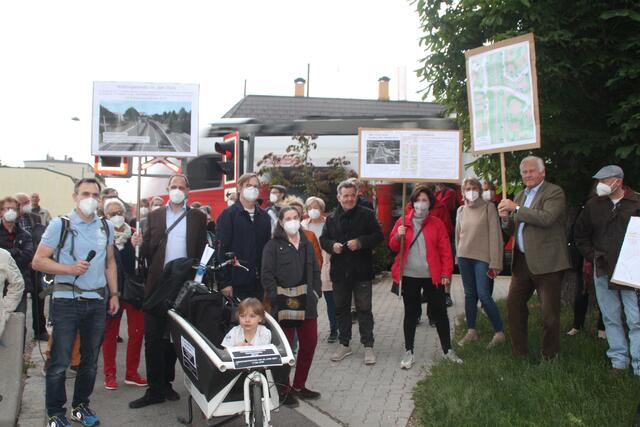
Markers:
494,388
300,172
588,68
382,259
131,114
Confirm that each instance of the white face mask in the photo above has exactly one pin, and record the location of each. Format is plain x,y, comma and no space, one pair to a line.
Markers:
421,207
176,196
314,213
603,189
11,215
144,212
273,198
250,194
26,208
88,206
292,226
471,196
230,202
487,195
117,221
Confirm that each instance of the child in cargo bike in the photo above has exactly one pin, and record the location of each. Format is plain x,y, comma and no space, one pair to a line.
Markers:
250,331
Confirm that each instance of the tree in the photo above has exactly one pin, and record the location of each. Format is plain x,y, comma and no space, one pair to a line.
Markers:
131,114
303,174
588,67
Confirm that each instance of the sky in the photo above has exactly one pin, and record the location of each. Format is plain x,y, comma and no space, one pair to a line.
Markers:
52,52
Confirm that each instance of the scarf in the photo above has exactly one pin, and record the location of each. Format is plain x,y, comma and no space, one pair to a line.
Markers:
121,237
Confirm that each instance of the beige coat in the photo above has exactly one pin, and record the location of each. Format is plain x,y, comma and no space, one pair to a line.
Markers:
326,261
544,235
9,272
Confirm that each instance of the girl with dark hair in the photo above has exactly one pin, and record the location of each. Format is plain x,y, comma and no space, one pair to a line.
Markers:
288,261
428,265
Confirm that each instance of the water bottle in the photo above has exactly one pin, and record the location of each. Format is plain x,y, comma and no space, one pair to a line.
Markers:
200,273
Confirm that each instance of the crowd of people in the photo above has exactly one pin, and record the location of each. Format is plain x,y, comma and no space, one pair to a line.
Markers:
295,245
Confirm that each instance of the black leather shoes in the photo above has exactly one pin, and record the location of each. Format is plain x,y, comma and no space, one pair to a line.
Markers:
171,394
146,400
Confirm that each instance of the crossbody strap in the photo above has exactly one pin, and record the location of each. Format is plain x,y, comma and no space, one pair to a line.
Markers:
166,233
417,235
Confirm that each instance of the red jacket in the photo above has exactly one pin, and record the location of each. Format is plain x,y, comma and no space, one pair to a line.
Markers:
436,238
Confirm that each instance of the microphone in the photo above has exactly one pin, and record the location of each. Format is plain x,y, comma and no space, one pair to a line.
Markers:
89,257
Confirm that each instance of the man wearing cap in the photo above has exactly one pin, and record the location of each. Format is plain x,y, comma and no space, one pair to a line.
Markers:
536,217
599,233
276,198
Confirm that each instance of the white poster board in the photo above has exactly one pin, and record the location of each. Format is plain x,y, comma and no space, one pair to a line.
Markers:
627,271
410,155
503,96
144,119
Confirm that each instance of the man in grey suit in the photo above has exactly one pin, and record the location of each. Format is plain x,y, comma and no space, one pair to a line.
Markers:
536,217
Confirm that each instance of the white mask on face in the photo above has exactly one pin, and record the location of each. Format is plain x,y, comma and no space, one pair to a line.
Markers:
117,221
154,207
10,215
603,189
471,196
487,195
250,193
292,226
26,208
273,198
421,207
88,206
144,212
230,202
314,213
176,196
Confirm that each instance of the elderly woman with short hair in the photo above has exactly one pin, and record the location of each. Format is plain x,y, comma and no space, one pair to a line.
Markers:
479,250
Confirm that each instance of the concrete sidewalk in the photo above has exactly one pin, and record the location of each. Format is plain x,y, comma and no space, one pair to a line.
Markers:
352,394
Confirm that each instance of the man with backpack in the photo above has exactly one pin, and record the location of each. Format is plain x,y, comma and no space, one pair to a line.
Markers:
78,250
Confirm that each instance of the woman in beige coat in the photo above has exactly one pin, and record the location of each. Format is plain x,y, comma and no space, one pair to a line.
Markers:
9,273
479,251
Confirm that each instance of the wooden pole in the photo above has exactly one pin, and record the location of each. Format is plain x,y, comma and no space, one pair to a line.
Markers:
404,202
503,173
138,209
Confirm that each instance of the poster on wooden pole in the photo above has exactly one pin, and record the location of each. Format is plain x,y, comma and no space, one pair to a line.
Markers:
410,155
502,92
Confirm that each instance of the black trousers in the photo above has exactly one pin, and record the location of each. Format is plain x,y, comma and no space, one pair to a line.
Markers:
437,307
159,353
362,294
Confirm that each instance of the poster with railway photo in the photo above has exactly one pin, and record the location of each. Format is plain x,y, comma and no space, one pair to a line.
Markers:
144,119
410,155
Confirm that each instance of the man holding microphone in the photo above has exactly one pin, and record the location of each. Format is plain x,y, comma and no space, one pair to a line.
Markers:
79,252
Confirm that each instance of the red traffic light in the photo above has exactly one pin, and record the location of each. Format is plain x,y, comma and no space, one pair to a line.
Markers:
226,149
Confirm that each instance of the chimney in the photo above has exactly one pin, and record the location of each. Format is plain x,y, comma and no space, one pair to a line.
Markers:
300,82
383,88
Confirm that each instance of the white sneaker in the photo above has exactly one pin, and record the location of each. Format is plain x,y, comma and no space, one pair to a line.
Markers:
407,361
369,356
452,357
342,352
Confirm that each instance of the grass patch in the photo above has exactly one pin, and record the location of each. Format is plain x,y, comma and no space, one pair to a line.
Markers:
493,388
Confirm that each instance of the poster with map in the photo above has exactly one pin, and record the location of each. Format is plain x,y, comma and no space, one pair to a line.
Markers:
627,271
503,96
410,155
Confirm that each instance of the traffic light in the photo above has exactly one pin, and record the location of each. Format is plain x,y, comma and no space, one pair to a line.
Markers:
229,151
110,165
204,172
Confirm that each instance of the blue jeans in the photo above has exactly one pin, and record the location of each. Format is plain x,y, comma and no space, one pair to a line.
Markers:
611,303
331,310
69,316
477,286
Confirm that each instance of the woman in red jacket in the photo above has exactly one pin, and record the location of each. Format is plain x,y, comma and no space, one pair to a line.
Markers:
427,265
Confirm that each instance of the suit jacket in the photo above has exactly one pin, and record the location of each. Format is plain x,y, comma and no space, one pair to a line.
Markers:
544,234
154,242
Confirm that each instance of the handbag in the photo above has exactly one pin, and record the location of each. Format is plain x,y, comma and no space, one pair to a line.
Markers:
395,286
292,305
133,291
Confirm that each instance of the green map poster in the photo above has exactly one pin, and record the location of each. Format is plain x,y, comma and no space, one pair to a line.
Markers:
503,96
